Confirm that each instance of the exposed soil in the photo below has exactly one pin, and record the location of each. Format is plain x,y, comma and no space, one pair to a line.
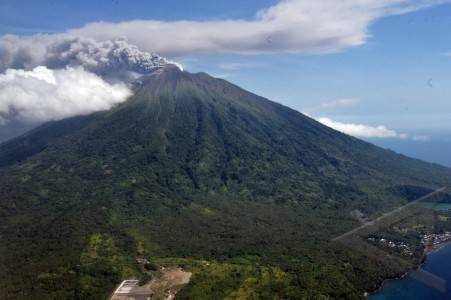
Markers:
167,282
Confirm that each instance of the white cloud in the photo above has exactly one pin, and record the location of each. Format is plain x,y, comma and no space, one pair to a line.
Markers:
293,26
42,94
364,131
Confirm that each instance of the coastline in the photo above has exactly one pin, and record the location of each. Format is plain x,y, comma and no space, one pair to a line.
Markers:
427,251
380,286
435,248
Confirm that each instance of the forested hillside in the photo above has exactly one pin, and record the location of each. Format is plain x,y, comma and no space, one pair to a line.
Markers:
193,169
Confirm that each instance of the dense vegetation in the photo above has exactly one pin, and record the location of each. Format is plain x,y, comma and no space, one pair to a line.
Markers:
244,192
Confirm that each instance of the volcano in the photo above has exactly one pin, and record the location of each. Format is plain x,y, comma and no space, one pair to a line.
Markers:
194,171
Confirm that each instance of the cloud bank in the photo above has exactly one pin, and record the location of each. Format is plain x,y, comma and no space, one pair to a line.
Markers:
43,94
363,131
292,26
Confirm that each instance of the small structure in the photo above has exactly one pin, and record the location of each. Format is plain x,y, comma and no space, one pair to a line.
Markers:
130,290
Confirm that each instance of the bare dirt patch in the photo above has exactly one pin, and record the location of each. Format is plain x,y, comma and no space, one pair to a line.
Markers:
167,282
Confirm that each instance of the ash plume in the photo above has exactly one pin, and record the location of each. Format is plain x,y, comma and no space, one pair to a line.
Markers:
114,60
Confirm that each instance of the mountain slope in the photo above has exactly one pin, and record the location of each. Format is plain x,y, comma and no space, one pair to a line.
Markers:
193,168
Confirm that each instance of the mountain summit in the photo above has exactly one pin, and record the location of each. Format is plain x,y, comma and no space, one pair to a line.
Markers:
245,192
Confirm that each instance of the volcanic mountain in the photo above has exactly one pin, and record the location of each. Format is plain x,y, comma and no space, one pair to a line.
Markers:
195,171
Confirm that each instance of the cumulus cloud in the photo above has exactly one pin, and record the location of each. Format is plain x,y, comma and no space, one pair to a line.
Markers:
110,58
43,94
293,26
364,131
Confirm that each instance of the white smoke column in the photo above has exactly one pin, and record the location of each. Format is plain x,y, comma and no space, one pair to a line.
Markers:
111,59
43,94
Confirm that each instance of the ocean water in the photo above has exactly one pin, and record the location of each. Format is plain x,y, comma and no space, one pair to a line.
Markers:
439,264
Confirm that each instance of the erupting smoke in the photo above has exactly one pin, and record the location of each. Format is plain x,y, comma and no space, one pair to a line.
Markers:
111,59
51,77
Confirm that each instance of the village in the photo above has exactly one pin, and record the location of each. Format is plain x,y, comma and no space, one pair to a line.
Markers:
402,247
435,239
430,241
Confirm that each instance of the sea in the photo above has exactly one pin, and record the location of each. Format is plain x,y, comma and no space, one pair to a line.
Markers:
437,267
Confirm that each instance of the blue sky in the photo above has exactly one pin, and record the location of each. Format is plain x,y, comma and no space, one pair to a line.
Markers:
399,76
25,16
390,75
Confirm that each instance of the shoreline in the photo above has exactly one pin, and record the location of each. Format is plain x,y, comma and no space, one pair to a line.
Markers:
427,251
432,249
